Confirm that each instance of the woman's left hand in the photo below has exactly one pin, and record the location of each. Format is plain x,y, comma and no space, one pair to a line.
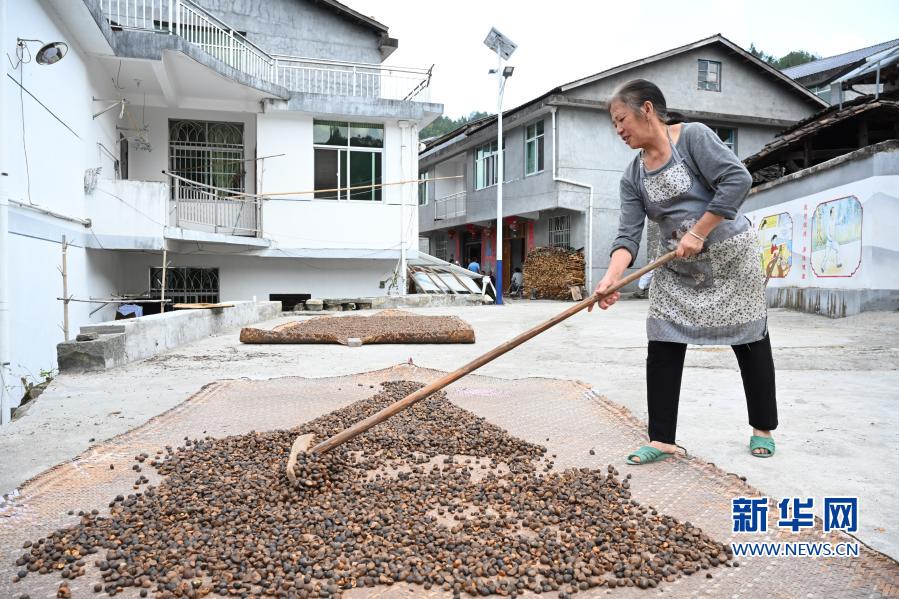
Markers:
689,246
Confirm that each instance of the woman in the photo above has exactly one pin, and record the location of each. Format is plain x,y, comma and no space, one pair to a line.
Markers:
689,183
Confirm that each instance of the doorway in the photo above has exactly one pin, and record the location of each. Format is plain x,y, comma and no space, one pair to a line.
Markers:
513,257
471,248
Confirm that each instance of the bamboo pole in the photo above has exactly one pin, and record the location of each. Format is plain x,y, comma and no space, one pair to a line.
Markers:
162,293
65,289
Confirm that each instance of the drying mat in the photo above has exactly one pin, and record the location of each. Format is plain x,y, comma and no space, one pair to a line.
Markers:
565,417
387,326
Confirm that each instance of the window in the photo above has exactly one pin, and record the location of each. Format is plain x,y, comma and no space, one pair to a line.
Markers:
822,91
710,75
423,189
533,148
728,135
440,250
208,152
560,231
186,285
348,160
485,164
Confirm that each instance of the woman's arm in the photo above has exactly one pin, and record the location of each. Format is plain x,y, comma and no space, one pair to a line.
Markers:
721,169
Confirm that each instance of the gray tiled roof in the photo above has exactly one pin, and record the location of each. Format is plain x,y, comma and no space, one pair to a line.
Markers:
834,62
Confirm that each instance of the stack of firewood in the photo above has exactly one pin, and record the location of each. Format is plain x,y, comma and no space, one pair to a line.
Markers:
553,272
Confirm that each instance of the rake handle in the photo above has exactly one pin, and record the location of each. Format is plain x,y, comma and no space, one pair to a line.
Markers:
400,405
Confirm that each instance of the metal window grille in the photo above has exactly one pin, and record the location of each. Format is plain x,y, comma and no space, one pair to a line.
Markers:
208,152
185,285
560,231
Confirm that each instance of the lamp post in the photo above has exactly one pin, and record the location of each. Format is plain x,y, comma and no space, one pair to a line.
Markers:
504,47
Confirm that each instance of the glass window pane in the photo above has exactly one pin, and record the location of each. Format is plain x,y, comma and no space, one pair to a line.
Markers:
365,169
376,159
540,153
539,127
344,173
325,174
363,135
330,133
530,157
530,131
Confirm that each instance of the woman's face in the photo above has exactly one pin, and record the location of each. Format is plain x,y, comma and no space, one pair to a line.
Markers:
631,126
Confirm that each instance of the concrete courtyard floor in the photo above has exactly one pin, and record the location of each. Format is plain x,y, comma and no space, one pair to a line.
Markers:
838,388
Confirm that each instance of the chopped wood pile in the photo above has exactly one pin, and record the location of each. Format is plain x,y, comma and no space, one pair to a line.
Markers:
553,271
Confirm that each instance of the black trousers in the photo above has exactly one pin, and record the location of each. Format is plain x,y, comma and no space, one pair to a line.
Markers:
665,368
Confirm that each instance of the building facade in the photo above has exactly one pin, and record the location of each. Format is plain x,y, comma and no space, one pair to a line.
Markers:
259,146
563,159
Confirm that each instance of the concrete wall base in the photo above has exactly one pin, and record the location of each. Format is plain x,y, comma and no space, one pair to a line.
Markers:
124,341
421,300
835,303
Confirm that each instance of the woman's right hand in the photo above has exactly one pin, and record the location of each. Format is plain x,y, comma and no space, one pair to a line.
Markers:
607,282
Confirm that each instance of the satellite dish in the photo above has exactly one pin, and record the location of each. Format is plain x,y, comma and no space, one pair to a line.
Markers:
51,53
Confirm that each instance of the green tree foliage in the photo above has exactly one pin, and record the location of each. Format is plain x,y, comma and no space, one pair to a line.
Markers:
792,59
442,125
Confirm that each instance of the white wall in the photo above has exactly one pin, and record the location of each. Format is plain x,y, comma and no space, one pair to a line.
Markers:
242,277
57,159
301,221
129,214
869,263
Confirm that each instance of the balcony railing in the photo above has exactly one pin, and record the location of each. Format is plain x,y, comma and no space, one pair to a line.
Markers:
451,206
204,207
189,21
351,79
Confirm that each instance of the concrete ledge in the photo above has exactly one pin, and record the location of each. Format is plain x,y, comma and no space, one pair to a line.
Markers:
421,300
124,341
834,303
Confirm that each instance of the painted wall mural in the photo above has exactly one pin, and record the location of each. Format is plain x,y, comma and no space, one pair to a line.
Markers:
776,239
837,238
842,237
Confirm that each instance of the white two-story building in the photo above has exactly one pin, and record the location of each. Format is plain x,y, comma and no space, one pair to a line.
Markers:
263,146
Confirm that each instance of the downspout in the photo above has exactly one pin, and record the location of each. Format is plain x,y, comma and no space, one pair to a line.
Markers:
588,250
5,373
404,133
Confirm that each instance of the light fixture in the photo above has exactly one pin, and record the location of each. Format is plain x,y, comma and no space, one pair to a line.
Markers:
504,47
49,53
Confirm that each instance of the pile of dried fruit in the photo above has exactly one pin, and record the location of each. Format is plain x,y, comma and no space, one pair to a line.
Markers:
435,496
386,326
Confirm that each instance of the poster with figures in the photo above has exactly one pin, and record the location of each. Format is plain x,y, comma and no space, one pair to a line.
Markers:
776,239
837,237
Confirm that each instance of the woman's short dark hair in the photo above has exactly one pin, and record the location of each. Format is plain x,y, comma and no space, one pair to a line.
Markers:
636,92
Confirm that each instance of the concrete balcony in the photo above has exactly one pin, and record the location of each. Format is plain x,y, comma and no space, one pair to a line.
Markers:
141,215
204,31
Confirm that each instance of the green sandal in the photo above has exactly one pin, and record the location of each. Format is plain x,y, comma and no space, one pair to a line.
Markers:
647,455
757,442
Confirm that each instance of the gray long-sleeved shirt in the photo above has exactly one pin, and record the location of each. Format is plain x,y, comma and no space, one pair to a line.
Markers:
677,201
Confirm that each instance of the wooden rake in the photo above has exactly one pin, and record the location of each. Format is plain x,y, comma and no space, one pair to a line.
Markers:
302,443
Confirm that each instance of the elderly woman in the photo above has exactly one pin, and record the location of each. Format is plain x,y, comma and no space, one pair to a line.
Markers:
689,183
